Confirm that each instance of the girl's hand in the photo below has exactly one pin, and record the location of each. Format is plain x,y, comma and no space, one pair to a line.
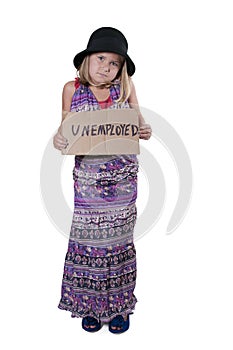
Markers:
145,131
60,141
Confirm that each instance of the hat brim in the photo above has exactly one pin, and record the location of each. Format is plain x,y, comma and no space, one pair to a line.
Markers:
78,59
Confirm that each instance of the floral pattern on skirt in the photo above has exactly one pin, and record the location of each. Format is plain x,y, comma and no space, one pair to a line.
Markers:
100,265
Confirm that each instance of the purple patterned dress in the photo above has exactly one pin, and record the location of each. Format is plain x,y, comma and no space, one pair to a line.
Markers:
100,265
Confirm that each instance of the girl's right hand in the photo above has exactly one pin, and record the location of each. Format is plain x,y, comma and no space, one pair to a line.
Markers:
59,141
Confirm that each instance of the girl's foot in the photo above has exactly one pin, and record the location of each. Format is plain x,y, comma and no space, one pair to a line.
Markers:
119,324
91,324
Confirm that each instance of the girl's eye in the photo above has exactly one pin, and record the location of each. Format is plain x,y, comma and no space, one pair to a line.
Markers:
101,58
115,64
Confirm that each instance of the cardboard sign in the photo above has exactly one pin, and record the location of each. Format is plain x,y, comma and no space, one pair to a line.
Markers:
107,131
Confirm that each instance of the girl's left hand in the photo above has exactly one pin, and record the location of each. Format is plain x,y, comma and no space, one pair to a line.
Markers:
145,131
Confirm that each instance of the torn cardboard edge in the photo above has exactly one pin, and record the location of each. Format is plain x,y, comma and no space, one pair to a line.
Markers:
101,132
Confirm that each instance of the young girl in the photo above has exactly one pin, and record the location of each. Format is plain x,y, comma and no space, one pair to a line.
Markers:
100,265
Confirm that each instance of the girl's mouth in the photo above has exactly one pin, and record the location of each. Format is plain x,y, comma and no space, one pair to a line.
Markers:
102,75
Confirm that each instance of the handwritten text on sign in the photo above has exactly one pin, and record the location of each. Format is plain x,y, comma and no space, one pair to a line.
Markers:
105,129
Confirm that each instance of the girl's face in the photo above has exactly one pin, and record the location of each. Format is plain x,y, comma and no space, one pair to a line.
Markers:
104,66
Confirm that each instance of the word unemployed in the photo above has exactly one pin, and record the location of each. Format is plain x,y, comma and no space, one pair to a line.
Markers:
105,129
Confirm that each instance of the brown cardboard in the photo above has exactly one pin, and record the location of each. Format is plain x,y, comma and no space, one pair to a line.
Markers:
107,131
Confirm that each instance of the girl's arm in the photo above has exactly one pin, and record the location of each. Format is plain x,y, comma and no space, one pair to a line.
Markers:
59,141
67,94
144,129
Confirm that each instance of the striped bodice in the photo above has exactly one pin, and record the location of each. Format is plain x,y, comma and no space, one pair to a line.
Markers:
84,99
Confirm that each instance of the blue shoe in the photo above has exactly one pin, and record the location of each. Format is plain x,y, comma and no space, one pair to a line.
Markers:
119,325
91,324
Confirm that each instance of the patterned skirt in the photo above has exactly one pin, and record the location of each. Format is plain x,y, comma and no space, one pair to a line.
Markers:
100,265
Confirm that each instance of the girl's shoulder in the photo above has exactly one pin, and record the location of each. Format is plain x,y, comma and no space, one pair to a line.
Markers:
69,87
67,94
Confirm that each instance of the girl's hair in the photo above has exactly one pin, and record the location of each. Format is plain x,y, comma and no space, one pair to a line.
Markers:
122,78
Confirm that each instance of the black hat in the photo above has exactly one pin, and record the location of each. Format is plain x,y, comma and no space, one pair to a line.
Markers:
106,39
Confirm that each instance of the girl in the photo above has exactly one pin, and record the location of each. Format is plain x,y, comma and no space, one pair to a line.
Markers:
100,265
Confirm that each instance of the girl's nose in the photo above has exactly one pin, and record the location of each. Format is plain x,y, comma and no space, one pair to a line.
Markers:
106,67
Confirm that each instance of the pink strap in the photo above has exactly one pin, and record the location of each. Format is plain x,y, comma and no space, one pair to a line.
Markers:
77,83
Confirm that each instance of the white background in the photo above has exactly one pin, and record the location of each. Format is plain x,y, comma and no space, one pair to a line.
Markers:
183,54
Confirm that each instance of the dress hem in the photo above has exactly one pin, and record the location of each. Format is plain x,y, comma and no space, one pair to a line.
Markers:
101,318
